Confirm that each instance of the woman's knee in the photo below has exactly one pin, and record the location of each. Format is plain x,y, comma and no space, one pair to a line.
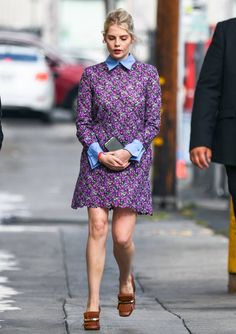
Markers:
98,222
122,240
98,228
123,224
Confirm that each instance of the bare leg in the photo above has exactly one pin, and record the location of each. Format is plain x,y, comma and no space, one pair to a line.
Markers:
123,224
95,253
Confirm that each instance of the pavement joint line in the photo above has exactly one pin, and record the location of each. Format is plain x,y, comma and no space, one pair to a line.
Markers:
17,220
163,306
173,313
62,240
65,318
140,284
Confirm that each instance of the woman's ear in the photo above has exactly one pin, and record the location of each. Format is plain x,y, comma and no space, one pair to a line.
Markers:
104,38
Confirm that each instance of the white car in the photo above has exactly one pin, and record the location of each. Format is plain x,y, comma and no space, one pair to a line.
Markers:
26,80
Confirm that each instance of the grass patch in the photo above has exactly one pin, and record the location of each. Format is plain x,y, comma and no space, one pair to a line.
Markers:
188,211
222,232
202,223
190,206
159,215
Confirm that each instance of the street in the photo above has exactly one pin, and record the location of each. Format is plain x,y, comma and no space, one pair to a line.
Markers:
39,165
42,255
179,268
164,72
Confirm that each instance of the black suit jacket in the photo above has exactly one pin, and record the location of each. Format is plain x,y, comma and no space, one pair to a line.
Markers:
214,111
1,133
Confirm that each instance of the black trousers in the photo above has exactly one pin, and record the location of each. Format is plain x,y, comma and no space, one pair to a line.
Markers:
231,173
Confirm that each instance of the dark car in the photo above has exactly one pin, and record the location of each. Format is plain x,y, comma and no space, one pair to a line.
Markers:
67,74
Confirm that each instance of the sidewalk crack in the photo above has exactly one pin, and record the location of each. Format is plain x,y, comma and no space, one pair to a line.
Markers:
65,317
63,247
164,307
173,313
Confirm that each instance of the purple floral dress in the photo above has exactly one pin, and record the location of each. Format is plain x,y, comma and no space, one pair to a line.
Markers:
125,104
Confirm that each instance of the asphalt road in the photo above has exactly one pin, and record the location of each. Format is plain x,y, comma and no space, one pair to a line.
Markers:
180,267
39,165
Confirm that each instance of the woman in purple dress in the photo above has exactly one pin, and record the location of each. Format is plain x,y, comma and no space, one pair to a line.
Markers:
119,98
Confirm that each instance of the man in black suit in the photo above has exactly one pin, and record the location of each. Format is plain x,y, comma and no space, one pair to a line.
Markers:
1,134
213,126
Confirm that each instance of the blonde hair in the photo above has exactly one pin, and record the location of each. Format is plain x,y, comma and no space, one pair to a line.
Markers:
122,18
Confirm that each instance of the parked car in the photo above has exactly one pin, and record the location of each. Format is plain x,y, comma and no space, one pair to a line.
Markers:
66,74
25,80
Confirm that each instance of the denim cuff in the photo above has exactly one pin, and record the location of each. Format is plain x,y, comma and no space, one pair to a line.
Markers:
92,153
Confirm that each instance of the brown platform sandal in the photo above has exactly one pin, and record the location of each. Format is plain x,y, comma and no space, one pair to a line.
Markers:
126,302
91,320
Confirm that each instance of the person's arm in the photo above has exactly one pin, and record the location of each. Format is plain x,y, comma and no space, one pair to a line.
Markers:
152,113
84,122
208,92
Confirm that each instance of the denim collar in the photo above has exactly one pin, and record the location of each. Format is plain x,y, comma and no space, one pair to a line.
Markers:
127,62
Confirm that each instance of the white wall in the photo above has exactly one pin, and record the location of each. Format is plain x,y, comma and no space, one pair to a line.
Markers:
20,13
81,25
219,10
50,20
144,14
31,14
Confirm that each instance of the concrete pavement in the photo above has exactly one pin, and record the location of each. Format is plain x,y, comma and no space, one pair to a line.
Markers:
180,270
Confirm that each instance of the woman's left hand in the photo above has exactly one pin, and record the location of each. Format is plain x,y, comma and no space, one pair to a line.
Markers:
123,155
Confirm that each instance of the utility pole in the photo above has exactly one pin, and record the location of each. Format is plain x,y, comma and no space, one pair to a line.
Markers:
164,172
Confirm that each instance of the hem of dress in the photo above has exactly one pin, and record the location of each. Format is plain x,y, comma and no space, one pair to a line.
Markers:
75,207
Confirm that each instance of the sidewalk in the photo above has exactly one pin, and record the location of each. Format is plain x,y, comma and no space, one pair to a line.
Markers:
180,271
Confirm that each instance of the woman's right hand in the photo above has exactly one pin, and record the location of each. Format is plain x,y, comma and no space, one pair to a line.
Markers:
112,162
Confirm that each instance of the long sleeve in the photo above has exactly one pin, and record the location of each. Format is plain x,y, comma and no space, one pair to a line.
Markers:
136,150
92,153
84,122
152,112
208,92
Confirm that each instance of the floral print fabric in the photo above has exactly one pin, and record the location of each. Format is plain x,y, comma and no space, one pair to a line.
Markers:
125,104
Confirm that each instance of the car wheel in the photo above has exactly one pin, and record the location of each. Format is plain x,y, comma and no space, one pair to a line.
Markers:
47,118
